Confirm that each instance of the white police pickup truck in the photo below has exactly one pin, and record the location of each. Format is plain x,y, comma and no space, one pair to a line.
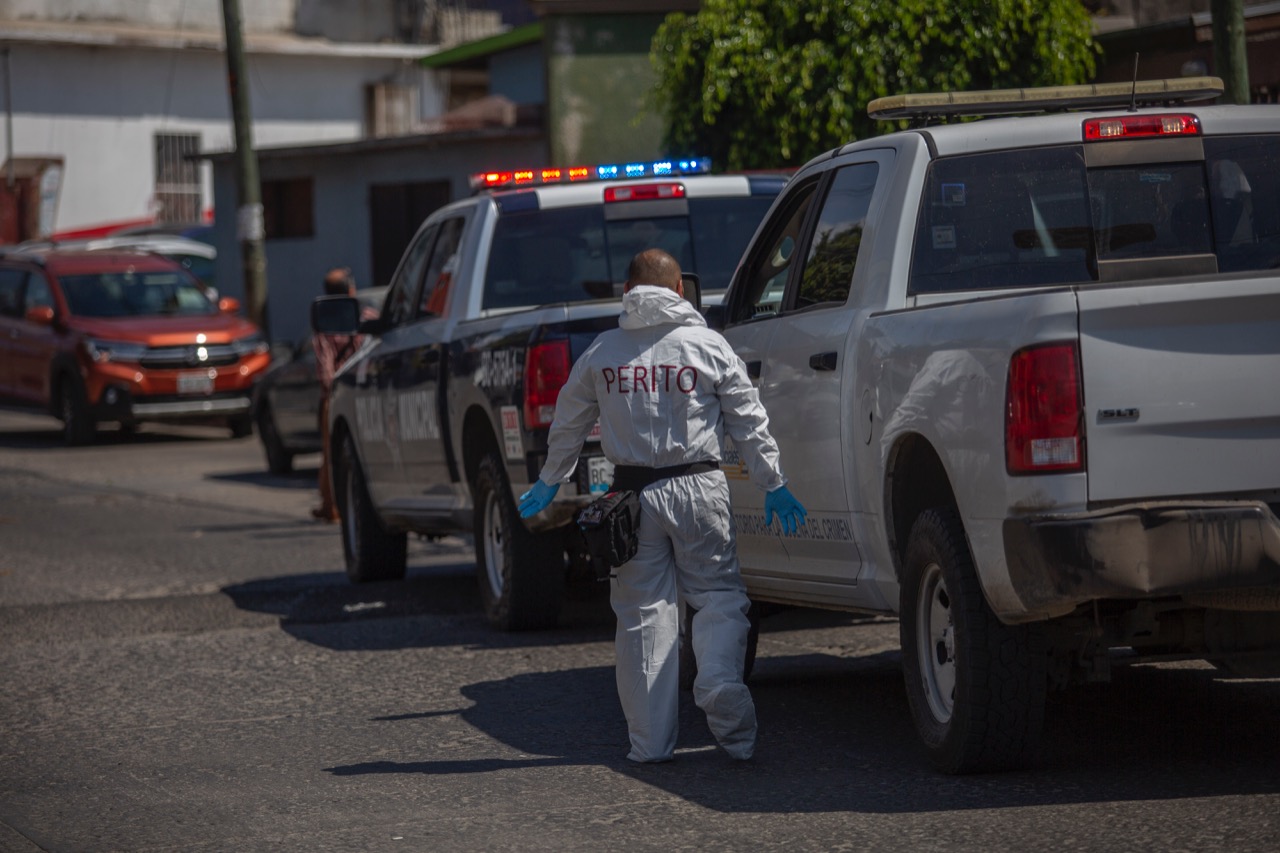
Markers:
1025,377
442,416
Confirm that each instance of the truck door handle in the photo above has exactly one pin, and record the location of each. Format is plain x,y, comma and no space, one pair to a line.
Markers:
823,361
753,369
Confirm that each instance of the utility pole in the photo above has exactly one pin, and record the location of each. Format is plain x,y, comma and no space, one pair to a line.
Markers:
1230,58
250,228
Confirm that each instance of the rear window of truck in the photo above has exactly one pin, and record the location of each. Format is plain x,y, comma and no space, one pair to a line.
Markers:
1040,217
574,254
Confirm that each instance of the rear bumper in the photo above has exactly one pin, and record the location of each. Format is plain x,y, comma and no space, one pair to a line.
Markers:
1141,551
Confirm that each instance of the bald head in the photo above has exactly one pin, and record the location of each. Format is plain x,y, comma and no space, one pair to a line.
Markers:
656,267
338,282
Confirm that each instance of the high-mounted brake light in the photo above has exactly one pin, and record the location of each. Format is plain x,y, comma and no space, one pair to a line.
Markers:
644,192
546,369
1138,126
603,172
1043,417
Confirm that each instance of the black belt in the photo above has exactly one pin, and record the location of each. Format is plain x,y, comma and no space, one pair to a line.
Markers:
633,478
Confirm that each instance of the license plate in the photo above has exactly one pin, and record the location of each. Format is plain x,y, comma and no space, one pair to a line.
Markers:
599,474
195,383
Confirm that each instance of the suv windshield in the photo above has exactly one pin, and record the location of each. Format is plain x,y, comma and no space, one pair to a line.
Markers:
135,294
1038,216
574,254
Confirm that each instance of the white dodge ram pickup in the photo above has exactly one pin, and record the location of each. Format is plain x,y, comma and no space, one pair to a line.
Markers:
1025,376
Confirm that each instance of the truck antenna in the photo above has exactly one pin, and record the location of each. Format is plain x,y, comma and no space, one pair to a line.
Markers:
1133,101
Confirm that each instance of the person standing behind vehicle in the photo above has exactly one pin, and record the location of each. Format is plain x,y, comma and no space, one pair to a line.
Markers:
665,390
331,351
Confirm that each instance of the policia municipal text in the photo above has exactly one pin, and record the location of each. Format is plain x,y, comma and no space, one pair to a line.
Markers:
665,390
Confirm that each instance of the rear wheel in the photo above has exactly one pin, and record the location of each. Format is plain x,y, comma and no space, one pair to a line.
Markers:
78,427
521,574
279,460
372,552
976,687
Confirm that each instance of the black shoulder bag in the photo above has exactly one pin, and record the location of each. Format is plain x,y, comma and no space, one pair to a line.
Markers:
610,525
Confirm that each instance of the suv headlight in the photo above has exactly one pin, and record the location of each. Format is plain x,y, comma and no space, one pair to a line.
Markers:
100,350
254,344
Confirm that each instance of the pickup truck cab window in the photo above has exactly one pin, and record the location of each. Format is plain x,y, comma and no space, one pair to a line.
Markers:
765,273
401,298
1057,216
441,268
837,236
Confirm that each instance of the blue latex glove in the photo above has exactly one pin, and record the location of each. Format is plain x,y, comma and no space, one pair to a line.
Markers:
537,499
790,513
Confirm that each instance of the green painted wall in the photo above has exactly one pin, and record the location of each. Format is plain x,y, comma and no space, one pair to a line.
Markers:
598,79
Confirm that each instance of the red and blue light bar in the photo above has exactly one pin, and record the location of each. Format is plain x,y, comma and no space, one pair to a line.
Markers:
507,179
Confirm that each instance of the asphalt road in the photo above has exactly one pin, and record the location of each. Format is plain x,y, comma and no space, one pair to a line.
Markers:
184,667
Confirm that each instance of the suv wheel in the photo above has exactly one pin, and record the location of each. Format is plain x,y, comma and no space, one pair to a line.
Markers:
78,427
372,552
241,426
521,574
279,460
976,687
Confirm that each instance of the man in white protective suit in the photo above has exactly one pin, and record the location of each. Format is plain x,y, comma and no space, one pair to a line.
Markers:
665,390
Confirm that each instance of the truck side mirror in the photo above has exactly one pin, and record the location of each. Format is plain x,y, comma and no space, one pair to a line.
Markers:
335,315
692,289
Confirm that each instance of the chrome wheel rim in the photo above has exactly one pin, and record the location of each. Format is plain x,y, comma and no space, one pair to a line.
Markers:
495,562
935,644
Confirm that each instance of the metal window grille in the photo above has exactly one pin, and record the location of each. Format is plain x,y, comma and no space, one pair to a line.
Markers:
177,178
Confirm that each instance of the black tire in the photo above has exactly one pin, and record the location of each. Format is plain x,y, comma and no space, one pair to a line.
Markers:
279,460
372,552
689,664
78,426
521,574
976,686
241,426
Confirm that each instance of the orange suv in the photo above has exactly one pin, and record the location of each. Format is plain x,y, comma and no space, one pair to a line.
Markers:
125,337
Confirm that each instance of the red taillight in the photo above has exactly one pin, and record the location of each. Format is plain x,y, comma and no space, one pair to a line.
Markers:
644,192
1043,423
1132,127
546,369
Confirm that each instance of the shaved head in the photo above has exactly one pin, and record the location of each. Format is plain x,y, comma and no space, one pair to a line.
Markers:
656,267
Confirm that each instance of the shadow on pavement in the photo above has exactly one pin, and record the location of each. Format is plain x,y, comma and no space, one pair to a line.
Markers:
438,603
839,739
50,436
302,479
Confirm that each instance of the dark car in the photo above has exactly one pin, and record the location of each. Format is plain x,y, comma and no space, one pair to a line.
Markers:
286,403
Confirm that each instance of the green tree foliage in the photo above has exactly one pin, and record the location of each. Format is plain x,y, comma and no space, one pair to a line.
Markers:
762,83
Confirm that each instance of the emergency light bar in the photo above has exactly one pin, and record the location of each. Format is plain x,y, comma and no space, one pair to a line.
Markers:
1045,99
576,174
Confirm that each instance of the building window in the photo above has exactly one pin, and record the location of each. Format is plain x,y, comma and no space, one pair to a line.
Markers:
287,208
395,212
177,178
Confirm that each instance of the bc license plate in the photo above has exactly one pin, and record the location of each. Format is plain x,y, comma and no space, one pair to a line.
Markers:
599,474
195,383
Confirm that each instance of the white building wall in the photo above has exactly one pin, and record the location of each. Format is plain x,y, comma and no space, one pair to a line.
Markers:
99,108
256,15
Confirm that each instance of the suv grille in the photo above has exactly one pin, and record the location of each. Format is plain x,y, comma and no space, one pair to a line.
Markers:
177,358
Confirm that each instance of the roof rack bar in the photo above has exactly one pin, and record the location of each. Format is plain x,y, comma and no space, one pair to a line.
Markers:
1045,99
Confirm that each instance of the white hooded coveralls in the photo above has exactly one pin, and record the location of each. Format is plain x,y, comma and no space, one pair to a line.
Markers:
666,389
